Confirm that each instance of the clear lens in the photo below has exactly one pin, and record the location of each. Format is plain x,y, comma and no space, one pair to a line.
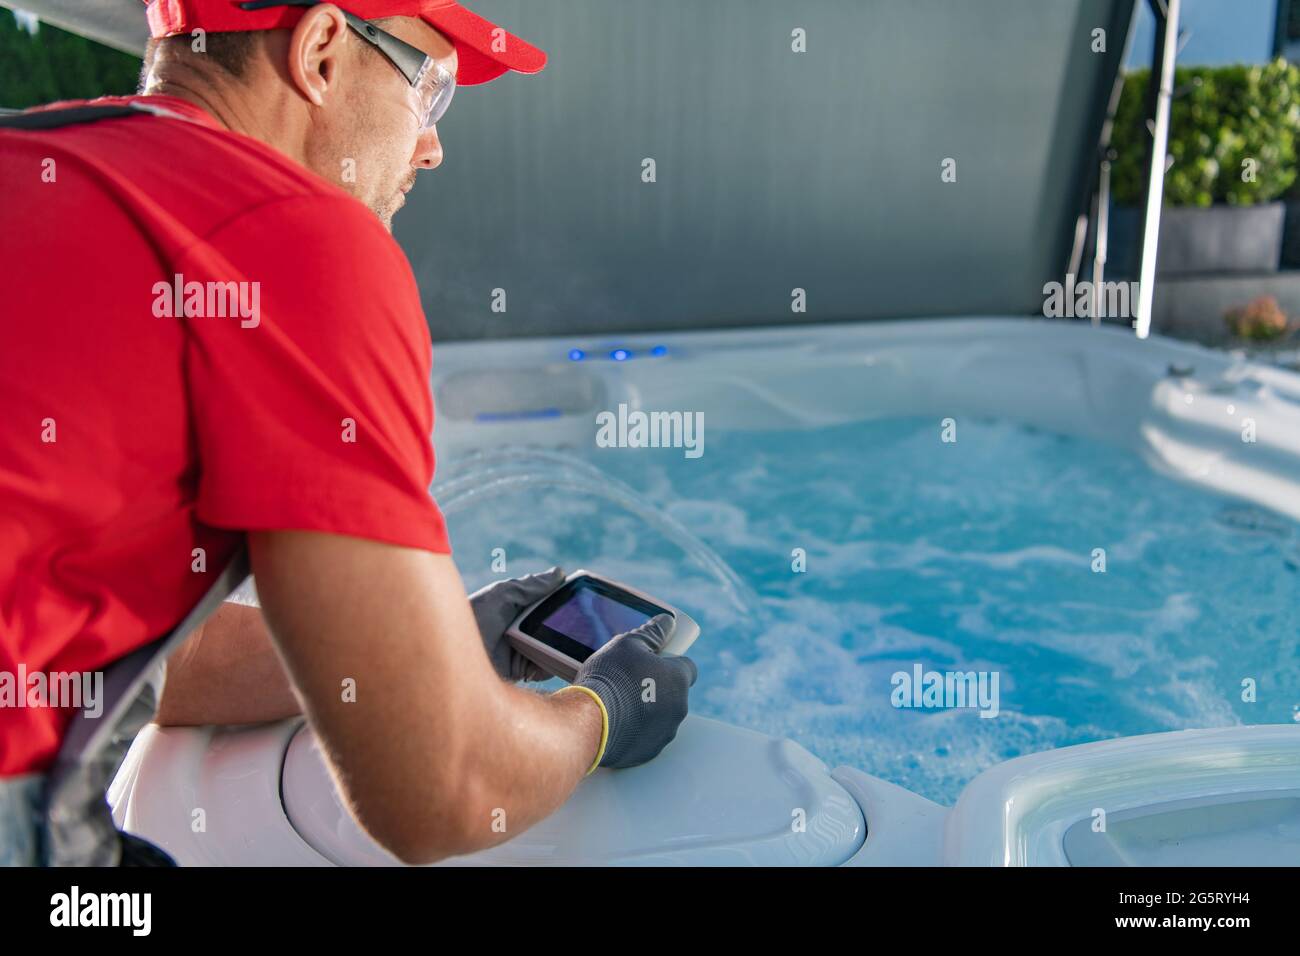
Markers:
434,87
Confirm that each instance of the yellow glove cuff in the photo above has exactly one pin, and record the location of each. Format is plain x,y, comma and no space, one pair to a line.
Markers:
604,718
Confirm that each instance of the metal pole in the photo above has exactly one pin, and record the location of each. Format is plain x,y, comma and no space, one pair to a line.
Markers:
1099,210
1103,234
1162,74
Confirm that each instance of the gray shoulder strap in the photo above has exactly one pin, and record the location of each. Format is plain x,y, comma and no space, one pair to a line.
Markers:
68,116
59,117
79,825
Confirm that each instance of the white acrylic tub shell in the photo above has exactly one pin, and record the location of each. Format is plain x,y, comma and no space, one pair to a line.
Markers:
720,795
1235,794
1183,408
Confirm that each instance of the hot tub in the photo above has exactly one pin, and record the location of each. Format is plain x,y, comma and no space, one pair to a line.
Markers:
1101,531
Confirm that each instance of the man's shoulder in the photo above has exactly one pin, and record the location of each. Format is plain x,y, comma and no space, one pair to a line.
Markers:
179,154
188,154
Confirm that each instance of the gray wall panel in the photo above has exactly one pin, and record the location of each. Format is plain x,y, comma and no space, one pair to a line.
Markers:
819,170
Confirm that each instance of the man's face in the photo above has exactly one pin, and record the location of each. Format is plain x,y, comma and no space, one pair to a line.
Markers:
372,146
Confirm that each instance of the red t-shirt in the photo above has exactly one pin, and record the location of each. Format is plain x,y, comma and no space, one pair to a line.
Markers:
296,398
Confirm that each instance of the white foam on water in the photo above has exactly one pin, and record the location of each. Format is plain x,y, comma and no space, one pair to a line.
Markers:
975,556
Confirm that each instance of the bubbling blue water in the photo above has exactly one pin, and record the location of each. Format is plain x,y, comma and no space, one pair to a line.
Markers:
976,555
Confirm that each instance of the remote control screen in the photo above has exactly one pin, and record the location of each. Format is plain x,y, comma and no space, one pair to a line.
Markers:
592,619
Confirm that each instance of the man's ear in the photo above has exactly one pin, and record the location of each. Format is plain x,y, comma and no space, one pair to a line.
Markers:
316,48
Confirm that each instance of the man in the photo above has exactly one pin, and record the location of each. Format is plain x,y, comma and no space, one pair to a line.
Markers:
209,337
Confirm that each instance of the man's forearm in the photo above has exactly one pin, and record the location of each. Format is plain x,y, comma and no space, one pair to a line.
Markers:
227,672
533,751
434,753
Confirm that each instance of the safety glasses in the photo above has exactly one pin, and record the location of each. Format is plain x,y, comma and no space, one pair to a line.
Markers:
432,83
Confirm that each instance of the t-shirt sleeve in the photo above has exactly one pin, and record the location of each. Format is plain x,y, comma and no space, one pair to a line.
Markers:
311,403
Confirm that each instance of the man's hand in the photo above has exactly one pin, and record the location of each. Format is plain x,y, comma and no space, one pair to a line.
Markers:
495,608
645,695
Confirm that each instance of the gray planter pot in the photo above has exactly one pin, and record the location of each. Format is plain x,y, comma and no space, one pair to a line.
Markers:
1211,240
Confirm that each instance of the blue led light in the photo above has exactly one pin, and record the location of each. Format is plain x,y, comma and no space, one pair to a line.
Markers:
577,355
519,415
659,350
620,355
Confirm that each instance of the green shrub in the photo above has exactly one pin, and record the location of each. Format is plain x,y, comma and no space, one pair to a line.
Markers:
1221,117
57,65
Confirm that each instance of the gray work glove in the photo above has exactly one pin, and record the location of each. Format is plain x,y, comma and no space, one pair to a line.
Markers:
495,608
643,693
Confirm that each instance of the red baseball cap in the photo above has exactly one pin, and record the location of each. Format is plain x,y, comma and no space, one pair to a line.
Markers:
484,50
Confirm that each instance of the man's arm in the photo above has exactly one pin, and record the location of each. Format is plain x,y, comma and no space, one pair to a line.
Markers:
227,672
429,746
